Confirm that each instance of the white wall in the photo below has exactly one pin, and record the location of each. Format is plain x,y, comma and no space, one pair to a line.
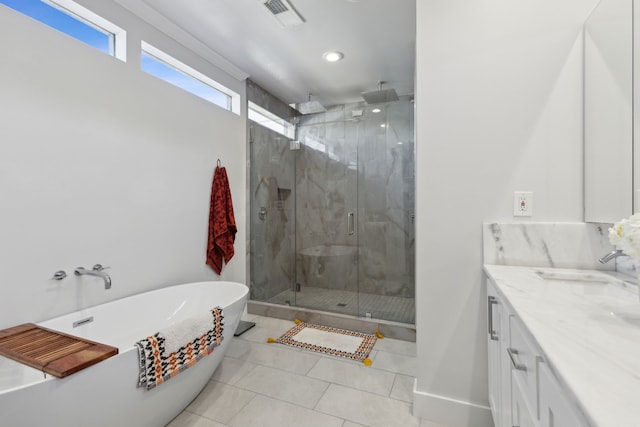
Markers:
499,109
101,163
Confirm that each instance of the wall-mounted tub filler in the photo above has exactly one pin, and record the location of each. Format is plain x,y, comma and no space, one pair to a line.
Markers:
97,271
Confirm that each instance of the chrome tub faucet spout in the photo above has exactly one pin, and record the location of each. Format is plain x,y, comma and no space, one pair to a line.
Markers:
97,271
611,255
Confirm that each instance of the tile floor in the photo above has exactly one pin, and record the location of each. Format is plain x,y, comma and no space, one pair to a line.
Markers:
273,385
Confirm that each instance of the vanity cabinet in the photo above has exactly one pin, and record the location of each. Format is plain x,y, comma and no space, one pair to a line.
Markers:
523,391
499,364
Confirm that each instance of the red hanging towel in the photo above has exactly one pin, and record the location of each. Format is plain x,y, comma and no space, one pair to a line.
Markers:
222,224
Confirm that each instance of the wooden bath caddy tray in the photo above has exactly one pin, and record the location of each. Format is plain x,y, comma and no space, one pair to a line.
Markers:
50,351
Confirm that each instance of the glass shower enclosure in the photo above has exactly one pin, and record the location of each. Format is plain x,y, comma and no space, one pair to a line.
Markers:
332,221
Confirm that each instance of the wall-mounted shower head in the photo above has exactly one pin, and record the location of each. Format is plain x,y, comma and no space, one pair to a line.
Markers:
378,96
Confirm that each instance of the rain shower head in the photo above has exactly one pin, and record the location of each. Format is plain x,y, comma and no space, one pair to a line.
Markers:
310,107
378,96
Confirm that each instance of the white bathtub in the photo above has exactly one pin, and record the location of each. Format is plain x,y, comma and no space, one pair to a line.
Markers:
106,394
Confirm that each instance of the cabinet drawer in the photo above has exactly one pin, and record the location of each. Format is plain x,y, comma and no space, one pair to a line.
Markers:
524,361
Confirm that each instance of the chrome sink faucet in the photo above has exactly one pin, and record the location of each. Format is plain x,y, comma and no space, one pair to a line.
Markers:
97,271
611,255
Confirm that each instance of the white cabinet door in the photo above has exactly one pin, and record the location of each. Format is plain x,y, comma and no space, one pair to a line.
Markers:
494,352
555,408
499,363
520,410
505,365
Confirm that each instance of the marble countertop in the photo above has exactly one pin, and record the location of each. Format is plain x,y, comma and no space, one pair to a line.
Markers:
589,333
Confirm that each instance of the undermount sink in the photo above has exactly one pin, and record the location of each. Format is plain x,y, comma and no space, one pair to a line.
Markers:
591,283
577,276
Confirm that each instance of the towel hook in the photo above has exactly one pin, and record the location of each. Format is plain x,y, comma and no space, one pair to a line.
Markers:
219,162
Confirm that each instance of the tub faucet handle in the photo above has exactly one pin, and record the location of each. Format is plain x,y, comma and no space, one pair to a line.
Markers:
59,275
99,267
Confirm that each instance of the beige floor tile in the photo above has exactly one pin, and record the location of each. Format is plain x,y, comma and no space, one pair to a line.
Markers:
231,370
261,333
292,388
393,362
257,334
391,345
426,423
273,355
249,317
263,411
403,388
366,408
269,385
238,348
220,402
187,419
354,375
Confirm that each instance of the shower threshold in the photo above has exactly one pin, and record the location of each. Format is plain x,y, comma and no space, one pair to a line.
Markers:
389,329
400,309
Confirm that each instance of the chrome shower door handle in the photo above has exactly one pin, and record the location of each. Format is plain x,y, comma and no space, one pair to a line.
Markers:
350,223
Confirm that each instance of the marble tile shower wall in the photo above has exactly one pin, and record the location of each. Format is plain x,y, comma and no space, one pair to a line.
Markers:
272,213
261,97
271,183
349,164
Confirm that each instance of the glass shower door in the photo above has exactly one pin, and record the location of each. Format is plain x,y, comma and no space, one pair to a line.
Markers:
326,214
386,197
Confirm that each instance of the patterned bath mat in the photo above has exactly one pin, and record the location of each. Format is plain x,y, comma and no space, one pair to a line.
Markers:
333,341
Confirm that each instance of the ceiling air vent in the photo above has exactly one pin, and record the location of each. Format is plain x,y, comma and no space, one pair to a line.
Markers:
283,12
276,6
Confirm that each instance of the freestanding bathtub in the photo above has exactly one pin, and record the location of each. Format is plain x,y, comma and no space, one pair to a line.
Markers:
106,394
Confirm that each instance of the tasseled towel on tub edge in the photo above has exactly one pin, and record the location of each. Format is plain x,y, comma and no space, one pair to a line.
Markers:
156,366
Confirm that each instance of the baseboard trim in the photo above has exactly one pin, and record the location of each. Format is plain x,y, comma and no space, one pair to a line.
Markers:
450,412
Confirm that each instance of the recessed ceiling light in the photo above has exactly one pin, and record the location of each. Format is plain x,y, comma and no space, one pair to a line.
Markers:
333,56
384,125
375,110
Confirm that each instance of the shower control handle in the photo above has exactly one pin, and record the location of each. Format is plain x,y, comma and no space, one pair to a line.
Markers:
262,213
350,223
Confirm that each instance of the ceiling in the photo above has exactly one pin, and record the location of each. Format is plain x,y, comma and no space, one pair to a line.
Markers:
377,38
